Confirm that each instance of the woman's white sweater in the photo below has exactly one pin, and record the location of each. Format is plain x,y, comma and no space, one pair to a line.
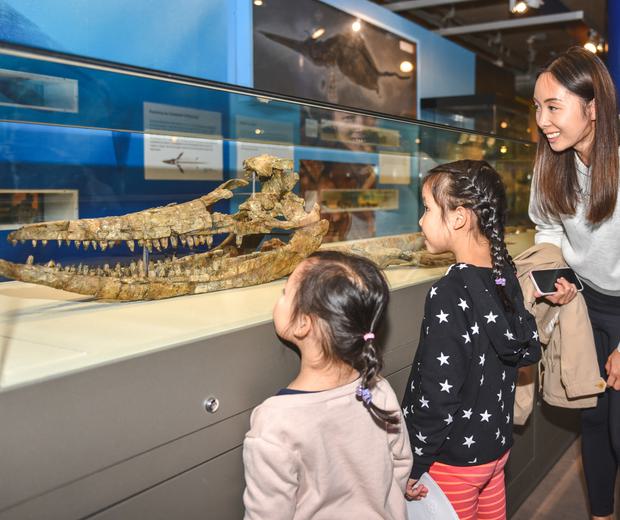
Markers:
593,251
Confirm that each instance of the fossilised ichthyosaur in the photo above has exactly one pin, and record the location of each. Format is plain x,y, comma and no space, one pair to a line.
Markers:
233,263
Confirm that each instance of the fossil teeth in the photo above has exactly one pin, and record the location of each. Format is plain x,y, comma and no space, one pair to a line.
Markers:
149,246
94,245
190,241
173,241
68,242
59,241
30,260
141,243
76,243
51,263
239,240
34,243
183,240
103,245
86,244
164,242
157,244
44,242
209,240
131,245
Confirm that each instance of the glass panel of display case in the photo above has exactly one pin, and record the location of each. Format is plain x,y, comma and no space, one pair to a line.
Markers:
140,140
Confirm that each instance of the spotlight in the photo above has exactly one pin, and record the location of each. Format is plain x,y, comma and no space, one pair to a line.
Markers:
522,6
356,26
595,42
258,2
503,149
503,124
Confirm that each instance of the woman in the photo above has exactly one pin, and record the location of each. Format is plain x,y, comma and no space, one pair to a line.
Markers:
574,205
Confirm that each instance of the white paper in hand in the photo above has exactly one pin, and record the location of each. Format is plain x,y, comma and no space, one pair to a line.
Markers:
435,506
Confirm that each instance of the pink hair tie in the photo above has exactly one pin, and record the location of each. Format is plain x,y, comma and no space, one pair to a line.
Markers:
369,336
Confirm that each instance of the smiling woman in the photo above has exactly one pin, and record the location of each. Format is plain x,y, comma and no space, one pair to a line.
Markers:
574,204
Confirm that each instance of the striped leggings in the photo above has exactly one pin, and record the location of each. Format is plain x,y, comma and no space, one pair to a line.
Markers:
475,492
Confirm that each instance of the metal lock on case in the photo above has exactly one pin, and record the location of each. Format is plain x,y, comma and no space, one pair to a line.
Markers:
211,404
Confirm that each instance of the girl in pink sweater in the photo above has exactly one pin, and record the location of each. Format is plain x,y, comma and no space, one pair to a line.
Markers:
333,443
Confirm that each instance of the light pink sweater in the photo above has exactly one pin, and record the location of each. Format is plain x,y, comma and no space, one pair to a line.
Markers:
322,456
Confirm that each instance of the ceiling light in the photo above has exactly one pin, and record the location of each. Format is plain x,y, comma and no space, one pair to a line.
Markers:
258,2
503,124
589,46
356,26
595,42
318,33
503,149
406,66
522,6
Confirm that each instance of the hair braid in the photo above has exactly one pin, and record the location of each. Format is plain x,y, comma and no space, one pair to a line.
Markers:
476,185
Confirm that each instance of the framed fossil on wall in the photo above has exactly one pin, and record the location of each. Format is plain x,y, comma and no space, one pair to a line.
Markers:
311,50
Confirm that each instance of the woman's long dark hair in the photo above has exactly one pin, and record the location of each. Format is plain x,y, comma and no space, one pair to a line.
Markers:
556,182
477,186
348,296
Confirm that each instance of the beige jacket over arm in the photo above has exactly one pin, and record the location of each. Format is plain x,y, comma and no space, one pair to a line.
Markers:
322,456
570,371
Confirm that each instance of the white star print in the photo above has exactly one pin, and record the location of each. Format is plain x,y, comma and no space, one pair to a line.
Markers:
466,337
484,417
535,335
497,434
405,411
424,402
418,451
482,380
443,359
499,396
469,441
512,387
463,304
502,406
508,334
475,329
491,317
473,461
421,437
442,316
445,386
503,440
412,386
449,419
462,266
467,414
433,291
481,360
507,418
504,375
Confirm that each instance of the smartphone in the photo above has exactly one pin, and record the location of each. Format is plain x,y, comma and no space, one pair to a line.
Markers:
544,279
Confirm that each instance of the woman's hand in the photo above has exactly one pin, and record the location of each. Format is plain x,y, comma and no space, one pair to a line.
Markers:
415,492
612,367
565,292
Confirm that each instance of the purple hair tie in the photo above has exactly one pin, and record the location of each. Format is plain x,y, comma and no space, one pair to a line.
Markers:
368,336
500,281
365,394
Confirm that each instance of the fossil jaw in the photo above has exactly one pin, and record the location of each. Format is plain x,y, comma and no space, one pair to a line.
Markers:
189,224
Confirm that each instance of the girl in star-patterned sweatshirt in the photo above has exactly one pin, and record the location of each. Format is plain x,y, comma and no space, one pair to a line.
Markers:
475,334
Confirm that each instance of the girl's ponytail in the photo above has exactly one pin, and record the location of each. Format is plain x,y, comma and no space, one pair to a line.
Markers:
371,366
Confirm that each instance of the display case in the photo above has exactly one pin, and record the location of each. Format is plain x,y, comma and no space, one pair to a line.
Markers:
138,409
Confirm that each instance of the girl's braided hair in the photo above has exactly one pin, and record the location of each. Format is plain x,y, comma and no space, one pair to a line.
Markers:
477,186
347,295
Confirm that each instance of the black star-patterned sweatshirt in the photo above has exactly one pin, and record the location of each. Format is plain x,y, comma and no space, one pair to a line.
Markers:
459,400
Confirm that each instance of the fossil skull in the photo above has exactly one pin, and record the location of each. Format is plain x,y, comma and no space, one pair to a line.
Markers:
191,224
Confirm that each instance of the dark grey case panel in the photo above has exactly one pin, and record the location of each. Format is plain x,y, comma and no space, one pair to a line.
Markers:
132,439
